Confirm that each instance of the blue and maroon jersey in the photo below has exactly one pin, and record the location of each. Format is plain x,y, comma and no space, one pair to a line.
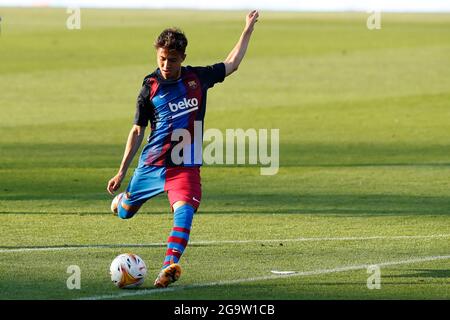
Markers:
175,104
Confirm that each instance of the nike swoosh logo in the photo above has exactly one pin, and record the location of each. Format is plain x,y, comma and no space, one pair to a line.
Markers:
193,198
162,96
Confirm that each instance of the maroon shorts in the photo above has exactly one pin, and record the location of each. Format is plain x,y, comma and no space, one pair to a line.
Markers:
183,184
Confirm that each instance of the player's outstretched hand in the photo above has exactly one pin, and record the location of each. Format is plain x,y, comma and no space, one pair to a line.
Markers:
114,184
251,19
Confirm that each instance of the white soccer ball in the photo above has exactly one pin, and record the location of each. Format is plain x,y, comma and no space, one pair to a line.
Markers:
128,270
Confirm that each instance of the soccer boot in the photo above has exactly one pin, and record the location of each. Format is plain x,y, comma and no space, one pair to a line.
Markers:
168,275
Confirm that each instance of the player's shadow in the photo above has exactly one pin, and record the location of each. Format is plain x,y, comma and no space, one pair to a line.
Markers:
425,273
341,204
282,203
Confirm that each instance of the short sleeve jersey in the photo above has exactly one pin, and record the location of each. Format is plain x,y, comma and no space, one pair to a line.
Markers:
175,108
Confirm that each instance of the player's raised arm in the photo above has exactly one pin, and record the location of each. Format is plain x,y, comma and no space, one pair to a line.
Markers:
237,54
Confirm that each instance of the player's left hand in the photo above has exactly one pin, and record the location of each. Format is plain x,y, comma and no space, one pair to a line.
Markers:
251,19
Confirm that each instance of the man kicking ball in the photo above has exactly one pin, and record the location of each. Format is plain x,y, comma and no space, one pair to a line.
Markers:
173,100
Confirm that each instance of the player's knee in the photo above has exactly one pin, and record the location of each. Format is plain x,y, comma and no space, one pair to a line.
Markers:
124,214
126,211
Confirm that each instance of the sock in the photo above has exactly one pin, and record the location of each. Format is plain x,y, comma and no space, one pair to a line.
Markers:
179,236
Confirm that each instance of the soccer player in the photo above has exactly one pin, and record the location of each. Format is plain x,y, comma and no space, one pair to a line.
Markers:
173,100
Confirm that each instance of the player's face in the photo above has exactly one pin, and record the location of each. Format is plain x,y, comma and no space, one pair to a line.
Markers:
169,63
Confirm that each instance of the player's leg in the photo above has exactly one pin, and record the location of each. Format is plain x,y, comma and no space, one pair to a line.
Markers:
179,235
184,192
176,243
183,186
146,183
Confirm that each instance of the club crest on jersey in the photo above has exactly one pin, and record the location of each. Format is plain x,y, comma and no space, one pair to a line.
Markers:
192,84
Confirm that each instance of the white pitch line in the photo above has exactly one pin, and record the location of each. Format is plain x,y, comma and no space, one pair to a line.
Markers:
100,246
323,239
283,272
218,242
148,292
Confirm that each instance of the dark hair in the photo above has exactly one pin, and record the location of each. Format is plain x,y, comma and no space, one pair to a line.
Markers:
172,39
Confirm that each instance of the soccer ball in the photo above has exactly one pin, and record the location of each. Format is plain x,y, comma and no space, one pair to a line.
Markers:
115,203
128,271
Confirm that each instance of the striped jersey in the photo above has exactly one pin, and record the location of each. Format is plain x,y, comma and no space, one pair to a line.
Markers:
175,110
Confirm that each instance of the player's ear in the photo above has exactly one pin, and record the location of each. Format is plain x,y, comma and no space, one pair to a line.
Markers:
183,57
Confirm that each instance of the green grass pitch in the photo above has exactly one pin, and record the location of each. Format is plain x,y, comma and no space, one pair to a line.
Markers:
364,119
